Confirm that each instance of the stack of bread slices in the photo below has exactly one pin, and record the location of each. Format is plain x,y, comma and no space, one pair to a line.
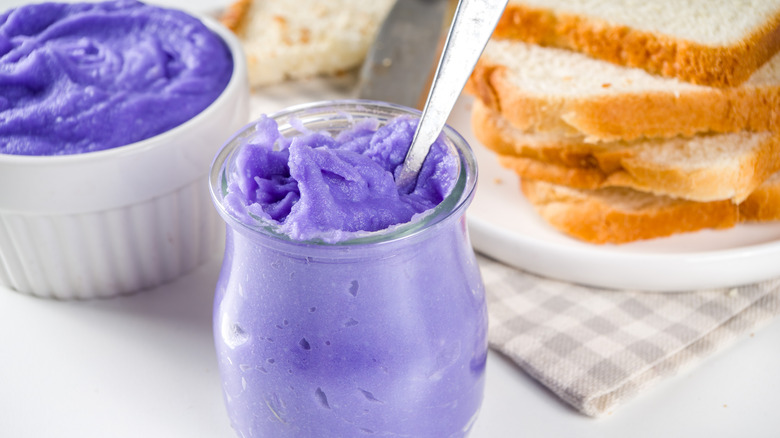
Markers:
636,119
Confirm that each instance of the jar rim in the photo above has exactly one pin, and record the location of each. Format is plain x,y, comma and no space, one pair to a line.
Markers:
346,109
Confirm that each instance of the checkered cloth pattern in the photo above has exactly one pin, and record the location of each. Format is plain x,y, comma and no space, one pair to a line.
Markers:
597,348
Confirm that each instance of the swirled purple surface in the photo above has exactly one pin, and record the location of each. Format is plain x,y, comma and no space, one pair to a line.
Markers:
85,77
319,186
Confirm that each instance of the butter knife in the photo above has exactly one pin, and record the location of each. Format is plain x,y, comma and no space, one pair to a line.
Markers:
399,66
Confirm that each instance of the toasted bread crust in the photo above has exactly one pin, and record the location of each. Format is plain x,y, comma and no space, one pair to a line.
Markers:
658,54
590,217
582,165
235,15
659,114
701,186
764,203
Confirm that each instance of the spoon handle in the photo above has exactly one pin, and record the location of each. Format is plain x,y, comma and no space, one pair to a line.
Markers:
472,25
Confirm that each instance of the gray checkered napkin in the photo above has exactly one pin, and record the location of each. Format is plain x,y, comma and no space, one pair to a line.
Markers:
598,348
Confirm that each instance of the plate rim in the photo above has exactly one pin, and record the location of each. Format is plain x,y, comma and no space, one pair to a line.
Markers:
681,272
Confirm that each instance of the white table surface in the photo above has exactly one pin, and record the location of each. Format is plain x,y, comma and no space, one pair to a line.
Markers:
144,366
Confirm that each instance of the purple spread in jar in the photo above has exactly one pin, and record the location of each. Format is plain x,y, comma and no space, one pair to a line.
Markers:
329,187
84,77
382,336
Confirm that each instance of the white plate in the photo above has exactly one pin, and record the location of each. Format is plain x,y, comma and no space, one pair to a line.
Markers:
504,226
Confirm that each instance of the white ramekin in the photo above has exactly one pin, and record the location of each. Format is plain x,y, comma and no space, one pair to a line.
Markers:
120,220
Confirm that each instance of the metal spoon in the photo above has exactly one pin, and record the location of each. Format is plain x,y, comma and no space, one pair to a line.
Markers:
472,25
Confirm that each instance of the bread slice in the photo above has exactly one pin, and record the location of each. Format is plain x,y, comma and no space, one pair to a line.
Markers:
298,39
701,168
764,203
618,215
555,90
710,42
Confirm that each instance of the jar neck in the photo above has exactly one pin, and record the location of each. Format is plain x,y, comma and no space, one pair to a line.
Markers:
453,222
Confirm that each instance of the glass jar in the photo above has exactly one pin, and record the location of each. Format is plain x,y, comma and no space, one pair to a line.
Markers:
384,334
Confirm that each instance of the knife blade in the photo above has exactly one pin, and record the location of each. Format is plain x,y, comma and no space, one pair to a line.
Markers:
399,66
